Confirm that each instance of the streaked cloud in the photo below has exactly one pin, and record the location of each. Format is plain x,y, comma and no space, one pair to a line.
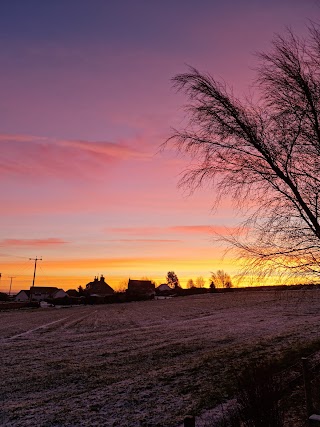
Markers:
109,149
33,155
33,242
207,229
178,229
149,240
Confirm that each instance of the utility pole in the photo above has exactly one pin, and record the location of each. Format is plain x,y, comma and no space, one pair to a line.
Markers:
11,277
34,271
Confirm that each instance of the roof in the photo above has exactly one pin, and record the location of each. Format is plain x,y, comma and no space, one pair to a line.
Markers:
43,289
27,291
140,286
140,282
73,292
58,290
164,287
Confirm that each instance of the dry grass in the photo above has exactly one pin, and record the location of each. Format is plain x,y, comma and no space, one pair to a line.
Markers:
143,363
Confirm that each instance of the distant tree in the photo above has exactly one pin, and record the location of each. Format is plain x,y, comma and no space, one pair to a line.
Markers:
190,284
172,279
123,285
220,279
212,286
200,282
81,291
263,153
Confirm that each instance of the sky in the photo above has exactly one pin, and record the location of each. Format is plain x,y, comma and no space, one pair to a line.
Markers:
86,102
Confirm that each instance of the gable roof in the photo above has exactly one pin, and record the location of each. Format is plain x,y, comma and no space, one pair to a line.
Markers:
27,291
53,295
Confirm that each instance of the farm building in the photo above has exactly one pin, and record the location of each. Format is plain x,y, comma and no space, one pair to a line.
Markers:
23,295
99,287
141,289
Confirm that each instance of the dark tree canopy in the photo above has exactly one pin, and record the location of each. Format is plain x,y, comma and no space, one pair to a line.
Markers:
172,279
263,154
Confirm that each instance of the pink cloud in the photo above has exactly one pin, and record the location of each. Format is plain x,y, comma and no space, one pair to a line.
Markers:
178,229
33,155
207,229
109,149
6,138
32,242
148,240
137,230
194,229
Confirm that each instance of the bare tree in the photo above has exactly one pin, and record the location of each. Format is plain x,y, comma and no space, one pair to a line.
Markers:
221,279
264,154
200,282
190,284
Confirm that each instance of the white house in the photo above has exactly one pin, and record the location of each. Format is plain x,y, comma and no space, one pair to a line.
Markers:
22,296
164,288
60,293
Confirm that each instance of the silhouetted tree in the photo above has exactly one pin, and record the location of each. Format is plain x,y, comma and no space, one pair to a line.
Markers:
263,154
81,291
190,284
200,282
212,286
220,279
172,279
123,285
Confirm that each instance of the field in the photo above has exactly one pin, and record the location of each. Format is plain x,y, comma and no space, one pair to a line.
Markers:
142,363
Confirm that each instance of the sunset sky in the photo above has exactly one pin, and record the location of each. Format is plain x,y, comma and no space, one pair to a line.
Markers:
86,101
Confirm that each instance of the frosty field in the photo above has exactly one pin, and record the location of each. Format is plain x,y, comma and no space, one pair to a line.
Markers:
142,363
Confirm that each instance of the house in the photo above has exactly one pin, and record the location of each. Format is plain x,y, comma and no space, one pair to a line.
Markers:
23,295
41,293
73,293
140,289
60,293
164,290
164,287
99,287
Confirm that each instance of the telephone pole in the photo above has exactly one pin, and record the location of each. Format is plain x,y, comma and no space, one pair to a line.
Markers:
11,277
35,267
